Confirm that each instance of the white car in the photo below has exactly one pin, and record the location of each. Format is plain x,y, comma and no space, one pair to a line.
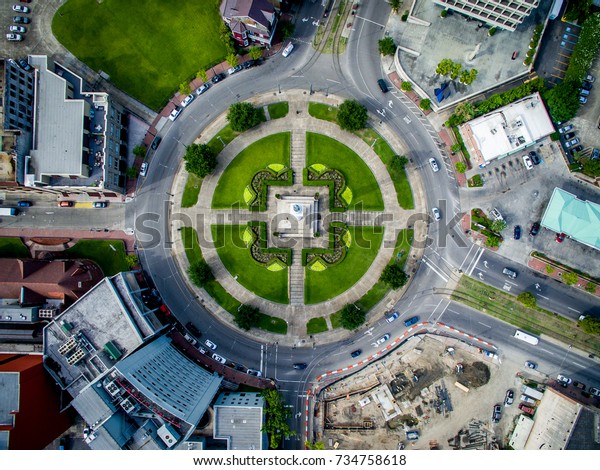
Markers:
14,37
202,88
392,317
144,169
288,50
563,379
382,340
210,344
436,213
175,114
255,373
187,100
572,143
17,29
21,9
527,161
590,78
218,358
434,165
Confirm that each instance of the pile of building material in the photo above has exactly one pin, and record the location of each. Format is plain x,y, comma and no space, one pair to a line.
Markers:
477,436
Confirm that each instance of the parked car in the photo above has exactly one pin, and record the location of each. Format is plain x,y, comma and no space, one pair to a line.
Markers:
595,154
434,165
590,78
144,169
300,365
569,135
210,344
594,391
382,85
495,213
235,69
202,88
23,62
14,37
527,161
21,9
517,232
509,272
535,229
411,321
579,385
187,100
527,409
584,92
21,20
100,204
564,379
509,399
436,213
249,63
392,317
155,142
587,85
24,204
497,414
217,78
218,358
190,340
356,353
65,203
531,365
577,148
565,129
383,339
288,50
17,29
195,331
175,114
560,237
582,99
254,372
535,158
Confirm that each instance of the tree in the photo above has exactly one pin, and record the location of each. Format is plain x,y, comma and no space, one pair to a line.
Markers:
200,273
394,276
569,278
498,225
456,148
387,46
455,70
527,299
465,111
276,417
444,67
425,104
468,76
398,162
352,317
200,159
246,317
406,86
318,445
232,59
578,10
227,38
591,167
139,151
255,52
243,116
461,167
131,260
591,325
590,287
132,172
492,241
184,88
352,115
202,75
563,101
287,28
395,4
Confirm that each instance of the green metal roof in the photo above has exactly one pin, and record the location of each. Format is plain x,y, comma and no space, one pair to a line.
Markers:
579,219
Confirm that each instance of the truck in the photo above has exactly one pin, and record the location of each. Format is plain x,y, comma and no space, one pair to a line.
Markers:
526,399
8,211
532,392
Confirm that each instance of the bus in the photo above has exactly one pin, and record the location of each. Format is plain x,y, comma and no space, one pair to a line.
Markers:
526,337
555,10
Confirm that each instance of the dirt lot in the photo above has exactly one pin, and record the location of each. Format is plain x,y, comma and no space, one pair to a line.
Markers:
414,388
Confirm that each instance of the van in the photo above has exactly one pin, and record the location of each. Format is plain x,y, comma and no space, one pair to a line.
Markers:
382,85
509,272
65,203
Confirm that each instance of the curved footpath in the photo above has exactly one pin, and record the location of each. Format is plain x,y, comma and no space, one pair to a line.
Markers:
298,121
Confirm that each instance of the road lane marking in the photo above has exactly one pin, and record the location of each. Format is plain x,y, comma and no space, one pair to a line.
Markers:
576,311
445,278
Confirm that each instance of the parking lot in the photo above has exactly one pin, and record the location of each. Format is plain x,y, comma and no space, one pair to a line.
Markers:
555,51
522,195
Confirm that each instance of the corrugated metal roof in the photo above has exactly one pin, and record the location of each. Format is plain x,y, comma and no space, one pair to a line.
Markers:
239,419
9,391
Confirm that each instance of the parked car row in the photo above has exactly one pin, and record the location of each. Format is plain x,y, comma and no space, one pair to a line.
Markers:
571,141
531,159
17,31
586,88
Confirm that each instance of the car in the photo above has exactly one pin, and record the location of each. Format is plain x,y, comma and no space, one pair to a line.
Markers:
564,379
202,88
218,358
288,50
217,78
590,78
164,309
392,317
595,154
577,148
527,161
190,340
579,385
583,92
382,85
495,213
517,232
255,373
195,331
65,203
175,114
531,365
582,99
187,100
509,272
356,353
235,69
509,399
535,229
100,204
434,165
383,339
527,409
14,37
411,321
569,135
155,142
587,85
594,391
560,237
17,29
24,64
21,9
300,365
144,169
248,64
24,204
497,414
436,213
21,20
565,129
535,158
210,344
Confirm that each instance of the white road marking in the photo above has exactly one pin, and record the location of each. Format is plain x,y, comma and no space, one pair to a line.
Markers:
370,21
487,326
476,261
543,297
546,351
445,278
507,287
577,311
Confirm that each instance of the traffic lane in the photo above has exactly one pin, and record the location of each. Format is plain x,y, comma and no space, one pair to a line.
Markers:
44,216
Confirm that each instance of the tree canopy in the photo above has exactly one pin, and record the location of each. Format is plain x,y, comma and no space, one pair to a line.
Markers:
527,299
247,317
352,115
352,317
590,325
276,418
387,46
243,116
200,159
200,273
394,276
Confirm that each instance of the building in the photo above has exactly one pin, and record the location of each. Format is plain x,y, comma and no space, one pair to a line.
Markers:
577,219
239,419
507,130
505,14
29,398
79,137
250,21
130,383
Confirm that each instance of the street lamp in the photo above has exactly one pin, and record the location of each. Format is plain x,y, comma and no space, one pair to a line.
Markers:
219,137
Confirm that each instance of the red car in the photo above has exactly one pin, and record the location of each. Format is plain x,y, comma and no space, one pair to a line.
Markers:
560,237
526,409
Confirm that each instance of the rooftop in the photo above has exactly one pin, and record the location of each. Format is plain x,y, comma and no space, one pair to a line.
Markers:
239,419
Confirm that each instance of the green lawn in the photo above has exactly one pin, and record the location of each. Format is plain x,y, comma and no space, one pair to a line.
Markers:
13,248
324,285
147,47
236,257
316,325
191,191
385,152
323,111
111,261
238,174
278,110
359,178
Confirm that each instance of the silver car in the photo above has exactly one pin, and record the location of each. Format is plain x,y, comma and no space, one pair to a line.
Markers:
434,165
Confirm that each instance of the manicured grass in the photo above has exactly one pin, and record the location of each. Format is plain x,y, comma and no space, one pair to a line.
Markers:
316,325
147,47
323,111
270,285
230,188
385,152
216,290
111,261
359,178
336,319
323,285
504,306
223,138
191,191
278,110
13,248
